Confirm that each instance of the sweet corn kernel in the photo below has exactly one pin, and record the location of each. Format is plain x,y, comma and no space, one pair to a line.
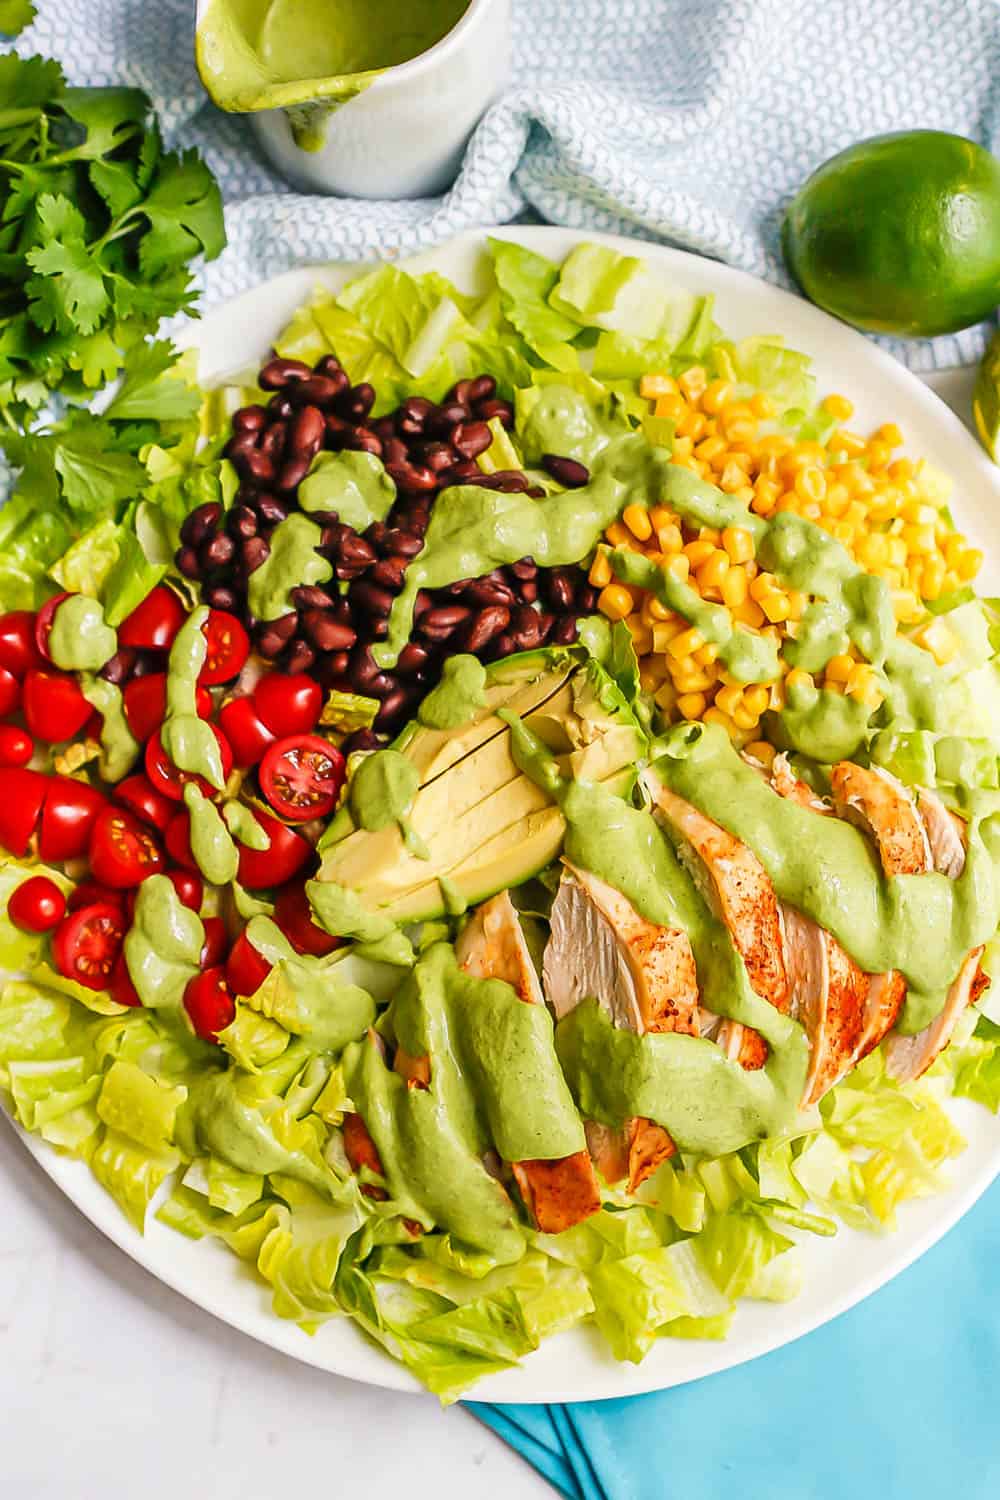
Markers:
670,538
969,564
686,644
776,607
839,668
687,680
601,572
715,396
709,448
698,552
890,435
744,719
713,570
679,567
649,680
729,699
906,606
798,679
848,442
658,611
691,705
694,382
618,535
796,604
656,384
691,424
764,584
714,715
938,638
666,697
664,634
810,483
738,543
672,406
749,613
706,655
765,495
636,518
932,577
902,469
615,601
919,539
839,407
732,478
762,752
762,406
735,587
755,698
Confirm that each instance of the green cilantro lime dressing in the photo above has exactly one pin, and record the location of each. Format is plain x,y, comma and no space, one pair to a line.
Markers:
163,945
80,640
457,696
382,792
355,485
825,725
231,1125
827,869
244,827
292,562
342,913
304,995
119,747
189,740
212,845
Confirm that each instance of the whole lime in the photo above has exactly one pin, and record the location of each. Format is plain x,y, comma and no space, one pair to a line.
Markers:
900,234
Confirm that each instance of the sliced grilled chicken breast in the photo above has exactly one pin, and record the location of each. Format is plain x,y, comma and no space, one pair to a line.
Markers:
643,975
557,1194
945,835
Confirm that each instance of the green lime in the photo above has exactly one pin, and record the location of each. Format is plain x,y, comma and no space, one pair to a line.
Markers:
986,400
900,234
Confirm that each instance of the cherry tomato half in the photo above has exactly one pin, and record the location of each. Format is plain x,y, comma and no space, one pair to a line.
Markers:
246,969
165,776
188,886
68,817
138,794
288,705
37,905
301,776
245,731
154,623
22,793
16,746
89,891
87,943
178,840
43,623
228,648
209,1004
54,707
260,868
18,652
145,703
293,915
10,693
213,950
121,987
122,850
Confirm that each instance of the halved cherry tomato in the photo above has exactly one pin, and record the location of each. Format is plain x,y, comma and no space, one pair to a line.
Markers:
288,705
22,793
121,987
43,623
228,648
37,905
87,943
209,1004
245,731
18,652
301,776
293,915
10,693
260,868
246,969
213,950
16,746
54,707
178,840
68,817
123,852
138,794
165,776
89,891
154,623
188,886
145,703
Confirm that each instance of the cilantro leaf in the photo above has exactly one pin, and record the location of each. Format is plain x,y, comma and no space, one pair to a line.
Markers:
15,15
184,208
109,116
27,83
147,391
69,292
117,186
93,478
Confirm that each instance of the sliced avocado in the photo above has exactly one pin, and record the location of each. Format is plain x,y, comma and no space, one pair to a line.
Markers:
486,825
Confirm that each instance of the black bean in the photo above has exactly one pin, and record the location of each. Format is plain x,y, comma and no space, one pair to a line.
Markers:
439,623
471,438
370,598
460,392
273,637
412,477
559,589
363,440
355,551
566,471
249,419
366,676
586,599
328,365
256,466
307,596
485,592
299,658
336,431
319,390
385,428
356,402
220,597
200,523
305,436
271,510
393,707
292,473
441,421
504,645
413,657
272,441
254,552
326,633
564,631
388,573
412,417
280,407
241,522
361,739
241,442
394,450
484,626
483,388
147,662
119,668
278,373
502,410
507,481
463,472
216,552
402,543
528,590
525,568
435,456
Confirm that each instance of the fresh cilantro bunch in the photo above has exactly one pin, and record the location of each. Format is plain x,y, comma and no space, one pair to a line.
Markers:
98,226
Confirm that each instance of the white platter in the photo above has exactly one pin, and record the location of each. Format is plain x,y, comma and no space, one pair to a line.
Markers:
839,1273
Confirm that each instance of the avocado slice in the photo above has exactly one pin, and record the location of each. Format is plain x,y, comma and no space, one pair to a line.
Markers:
486,825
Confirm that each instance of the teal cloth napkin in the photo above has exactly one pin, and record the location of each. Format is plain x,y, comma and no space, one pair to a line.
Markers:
898,1399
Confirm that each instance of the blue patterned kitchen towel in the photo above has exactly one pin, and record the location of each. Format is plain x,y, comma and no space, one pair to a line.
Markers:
687,121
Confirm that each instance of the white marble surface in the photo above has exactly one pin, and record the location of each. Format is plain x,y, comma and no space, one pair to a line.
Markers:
111,1385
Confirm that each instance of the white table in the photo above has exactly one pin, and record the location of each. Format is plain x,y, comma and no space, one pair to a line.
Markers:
111,1385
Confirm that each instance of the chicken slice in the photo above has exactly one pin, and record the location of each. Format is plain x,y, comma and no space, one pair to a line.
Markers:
557,1194
642,974
883,807
907,1057
945,835
788,785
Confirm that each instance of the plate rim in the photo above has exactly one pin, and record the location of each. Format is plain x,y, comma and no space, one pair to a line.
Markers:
74,1179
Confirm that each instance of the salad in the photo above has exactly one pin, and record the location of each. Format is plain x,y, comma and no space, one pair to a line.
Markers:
475,809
